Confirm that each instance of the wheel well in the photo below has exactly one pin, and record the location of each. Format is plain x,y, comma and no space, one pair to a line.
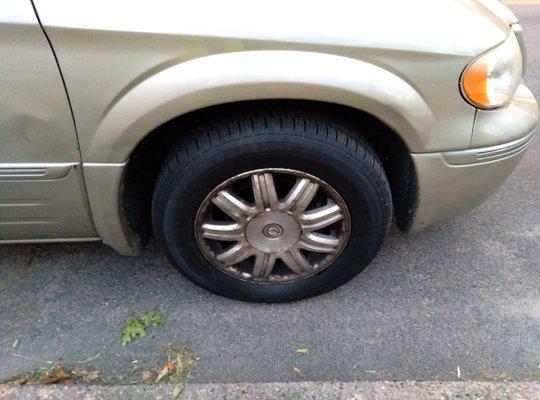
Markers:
147,158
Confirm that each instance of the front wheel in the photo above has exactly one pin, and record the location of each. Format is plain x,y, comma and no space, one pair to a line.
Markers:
271,208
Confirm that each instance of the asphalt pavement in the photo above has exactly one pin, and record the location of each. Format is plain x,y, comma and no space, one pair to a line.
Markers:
463,295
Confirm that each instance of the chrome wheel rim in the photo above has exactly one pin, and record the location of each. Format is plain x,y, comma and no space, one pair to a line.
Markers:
272,225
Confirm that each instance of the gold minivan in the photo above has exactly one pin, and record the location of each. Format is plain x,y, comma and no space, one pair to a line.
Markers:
267,146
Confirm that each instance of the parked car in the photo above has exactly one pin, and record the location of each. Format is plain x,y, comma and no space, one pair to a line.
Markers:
267,146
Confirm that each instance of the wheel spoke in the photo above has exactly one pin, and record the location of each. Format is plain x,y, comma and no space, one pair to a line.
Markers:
318,242
233,206
295,260
224,231
300,196
321,217
264,191
271,237
264,264
236,253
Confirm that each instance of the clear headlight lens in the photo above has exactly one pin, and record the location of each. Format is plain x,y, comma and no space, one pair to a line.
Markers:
491,80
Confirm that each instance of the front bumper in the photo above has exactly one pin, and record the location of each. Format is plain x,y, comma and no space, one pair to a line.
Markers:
454,182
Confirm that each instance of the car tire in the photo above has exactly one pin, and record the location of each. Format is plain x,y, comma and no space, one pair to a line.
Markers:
285,146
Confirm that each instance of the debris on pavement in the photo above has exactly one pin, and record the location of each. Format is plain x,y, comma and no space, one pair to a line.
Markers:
137,326
55,373
303,351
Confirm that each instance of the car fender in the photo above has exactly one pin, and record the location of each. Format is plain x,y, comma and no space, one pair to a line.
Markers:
252,75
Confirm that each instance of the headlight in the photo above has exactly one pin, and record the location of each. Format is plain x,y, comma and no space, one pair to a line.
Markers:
491,80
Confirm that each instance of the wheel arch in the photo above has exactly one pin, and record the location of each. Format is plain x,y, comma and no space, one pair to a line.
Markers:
183,92
140,173
258,75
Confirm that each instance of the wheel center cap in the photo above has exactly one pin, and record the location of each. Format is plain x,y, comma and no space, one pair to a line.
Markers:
273,231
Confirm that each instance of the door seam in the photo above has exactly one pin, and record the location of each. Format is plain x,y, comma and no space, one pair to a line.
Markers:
79,149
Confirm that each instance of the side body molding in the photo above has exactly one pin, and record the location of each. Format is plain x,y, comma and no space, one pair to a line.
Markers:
252,75
231,77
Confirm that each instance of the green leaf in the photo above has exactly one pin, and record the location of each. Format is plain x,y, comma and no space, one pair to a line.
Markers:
137,326
133,328
303,351
151,318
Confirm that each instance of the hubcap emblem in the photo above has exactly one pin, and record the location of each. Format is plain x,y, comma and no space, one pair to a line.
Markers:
273,231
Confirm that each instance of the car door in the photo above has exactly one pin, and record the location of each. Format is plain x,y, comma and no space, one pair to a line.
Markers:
42,194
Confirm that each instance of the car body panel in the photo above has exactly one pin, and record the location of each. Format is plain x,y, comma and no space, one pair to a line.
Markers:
101,42
342,23
42,193
29,75
506,124
453,182
254,75
447,190
104,182
497,8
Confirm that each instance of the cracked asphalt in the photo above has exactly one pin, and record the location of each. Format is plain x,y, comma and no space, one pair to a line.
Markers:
464,294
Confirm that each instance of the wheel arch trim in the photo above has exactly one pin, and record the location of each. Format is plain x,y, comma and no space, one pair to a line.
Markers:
258,75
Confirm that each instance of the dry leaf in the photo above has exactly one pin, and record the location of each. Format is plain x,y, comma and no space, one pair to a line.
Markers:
164,372
179,365
146,376
61,374
297,370
93,376
177,391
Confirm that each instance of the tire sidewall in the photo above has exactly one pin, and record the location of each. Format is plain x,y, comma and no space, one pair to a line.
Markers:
180,194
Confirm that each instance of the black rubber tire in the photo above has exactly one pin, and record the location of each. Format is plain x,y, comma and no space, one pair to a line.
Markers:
214,151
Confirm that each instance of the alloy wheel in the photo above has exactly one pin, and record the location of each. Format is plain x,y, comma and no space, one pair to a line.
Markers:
272,225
